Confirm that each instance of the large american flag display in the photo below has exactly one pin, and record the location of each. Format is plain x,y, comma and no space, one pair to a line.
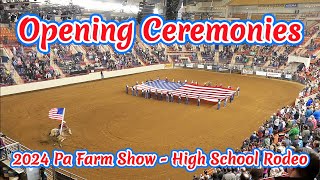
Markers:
211,94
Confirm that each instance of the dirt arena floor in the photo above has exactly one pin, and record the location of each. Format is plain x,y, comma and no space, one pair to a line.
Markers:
104,118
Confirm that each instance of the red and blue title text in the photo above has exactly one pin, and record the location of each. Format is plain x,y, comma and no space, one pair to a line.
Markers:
31,30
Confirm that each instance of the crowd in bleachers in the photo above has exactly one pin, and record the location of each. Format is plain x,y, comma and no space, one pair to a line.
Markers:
30,67
311,77
313,44
144,54
242,59
208,53
311,31
296,127
259,60
226,54
159,53
127,60
67,61
100,59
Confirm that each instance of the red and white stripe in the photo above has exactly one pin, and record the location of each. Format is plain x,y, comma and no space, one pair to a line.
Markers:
53,114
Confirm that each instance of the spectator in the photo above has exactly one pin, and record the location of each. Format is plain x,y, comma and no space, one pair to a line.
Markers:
311,171
229,175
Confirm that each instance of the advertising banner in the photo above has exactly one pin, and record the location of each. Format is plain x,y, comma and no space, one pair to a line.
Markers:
261,73
275,75
247,71
190,65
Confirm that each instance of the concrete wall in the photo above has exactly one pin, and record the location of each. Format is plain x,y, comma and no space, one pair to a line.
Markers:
9,90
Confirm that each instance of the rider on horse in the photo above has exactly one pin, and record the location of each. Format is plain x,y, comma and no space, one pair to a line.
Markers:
63,126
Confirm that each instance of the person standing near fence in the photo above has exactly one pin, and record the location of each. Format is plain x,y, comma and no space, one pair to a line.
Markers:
146,94
132,88
101,74
231,97
171,97
156,94
137,91
187,99
225,102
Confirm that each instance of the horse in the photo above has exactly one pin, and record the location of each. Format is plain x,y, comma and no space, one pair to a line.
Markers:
59,138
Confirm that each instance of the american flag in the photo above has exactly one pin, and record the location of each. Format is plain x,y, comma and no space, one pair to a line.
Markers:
211,94
56,113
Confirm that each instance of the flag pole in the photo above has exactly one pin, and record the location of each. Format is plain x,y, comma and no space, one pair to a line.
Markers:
64,111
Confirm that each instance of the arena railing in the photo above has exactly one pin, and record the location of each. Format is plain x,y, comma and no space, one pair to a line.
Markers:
242,69
50,172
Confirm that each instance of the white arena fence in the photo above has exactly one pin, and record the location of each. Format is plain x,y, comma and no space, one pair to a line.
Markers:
52,173
21,88
242,69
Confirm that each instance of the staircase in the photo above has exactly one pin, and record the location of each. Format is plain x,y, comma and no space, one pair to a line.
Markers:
8,52
267,64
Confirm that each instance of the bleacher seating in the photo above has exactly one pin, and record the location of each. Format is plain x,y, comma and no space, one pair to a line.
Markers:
144,54
69,63
241,16
6,78
256,16
7,36
286,17
30,67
